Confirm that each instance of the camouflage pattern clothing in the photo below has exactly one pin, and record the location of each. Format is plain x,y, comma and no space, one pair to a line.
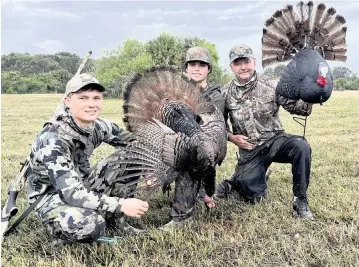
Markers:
253,108
80,197
188,185
81,80
213,93
253,112
210,92
240,51
197,53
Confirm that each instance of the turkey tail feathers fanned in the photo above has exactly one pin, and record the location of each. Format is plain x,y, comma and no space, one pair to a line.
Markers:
146,93
302,26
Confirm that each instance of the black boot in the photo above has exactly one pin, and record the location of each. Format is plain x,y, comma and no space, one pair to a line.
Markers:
222,189
301,209
119,224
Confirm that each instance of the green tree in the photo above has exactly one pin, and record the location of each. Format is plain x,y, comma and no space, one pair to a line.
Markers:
275,71
43,64
339,84
341,72
45,73
268,72
119,65
166,49
68,61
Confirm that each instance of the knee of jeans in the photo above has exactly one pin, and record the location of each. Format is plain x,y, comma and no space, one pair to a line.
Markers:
302,146
80,225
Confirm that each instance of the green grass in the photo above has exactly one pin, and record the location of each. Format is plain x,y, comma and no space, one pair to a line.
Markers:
234,233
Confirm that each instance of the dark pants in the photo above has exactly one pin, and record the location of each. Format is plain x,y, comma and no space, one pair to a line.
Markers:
249,177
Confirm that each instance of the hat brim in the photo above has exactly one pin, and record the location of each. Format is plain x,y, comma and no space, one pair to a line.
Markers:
243,56
197,59
96,86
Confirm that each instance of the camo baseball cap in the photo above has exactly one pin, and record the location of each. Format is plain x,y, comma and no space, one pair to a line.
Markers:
239,51
79,81
197,53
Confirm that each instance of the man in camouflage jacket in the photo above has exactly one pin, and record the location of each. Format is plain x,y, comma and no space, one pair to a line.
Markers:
252,107
77,199
197,67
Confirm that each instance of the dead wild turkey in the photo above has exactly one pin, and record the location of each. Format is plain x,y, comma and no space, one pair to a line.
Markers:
176,130
308,37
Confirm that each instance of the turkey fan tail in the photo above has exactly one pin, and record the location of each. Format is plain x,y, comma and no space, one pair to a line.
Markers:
275,48
329,34
291,29
146,94
334,47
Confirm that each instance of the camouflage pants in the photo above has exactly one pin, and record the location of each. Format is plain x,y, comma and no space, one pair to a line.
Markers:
76,224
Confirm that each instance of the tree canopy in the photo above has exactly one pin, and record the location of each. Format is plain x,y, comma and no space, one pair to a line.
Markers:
117,68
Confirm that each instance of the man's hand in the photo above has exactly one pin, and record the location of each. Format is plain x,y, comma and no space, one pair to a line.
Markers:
151,183
209,202
240,141
134,207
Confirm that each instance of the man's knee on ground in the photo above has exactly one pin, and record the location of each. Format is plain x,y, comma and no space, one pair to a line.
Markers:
251,183
79,225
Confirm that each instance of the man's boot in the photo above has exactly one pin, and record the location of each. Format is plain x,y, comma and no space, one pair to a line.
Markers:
175,223
301,209
222,189
119,223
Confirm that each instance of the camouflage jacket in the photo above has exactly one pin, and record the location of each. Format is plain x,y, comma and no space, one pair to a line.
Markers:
59,158
253,110
213,93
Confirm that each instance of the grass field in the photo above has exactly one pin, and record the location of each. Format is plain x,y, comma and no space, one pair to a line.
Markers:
234,233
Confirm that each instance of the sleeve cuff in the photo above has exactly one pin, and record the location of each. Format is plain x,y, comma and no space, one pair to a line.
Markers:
119,206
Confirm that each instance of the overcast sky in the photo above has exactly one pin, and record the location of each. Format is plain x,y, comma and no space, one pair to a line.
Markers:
79,26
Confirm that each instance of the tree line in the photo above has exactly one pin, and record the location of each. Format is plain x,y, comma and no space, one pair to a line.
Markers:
25,73
47,73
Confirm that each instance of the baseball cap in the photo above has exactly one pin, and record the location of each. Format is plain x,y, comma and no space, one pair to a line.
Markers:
79,81
239,51
197,53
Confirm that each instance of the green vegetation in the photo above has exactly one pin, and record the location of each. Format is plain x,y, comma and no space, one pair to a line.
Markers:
25,73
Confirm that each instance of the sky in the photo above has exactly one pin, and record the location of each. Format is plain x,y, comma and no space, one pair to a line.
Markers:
78,26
